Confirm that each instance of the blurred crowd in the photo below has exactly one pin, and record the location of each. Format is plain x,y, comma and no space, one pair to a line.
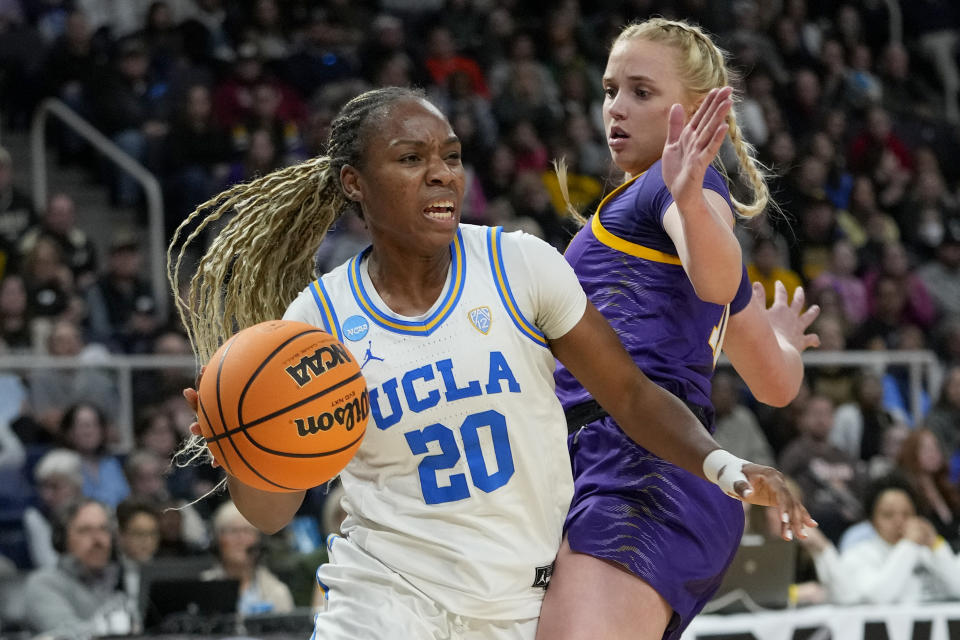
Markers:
852,105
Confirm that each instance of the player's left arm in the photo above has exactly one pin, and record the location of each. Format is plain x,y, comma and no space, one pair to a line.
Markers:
700,221
708,250
765,345
657,420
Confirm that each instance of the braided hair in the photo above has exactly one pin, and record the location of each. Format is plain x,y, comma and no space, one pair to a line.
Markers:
262,257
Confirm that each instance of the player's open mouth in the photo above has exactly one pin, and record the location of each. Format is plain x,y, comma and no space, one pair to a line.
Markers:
617,132
440,210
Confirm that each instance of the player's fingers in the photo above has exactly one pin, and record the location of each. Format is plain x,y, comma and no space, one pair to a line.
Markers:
759,294
195,429
779,293
711,150
675,124
786,521
811,341
799,299
808,316
190,395
698,115
743,489
712,124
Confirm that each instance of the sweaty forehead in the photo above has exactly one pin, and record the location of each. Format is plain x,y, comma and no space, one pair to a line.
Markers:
410,119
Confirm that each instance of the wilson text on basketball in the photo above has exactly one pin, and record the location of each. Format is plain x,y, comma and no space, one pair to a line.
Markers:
353,412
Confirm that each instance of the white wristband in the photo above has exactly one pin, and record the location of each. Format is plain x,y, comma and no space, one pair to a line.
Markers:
724,469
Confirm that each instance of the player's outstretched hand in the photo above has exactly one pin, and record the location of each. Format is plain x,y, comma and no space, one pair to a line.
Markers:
765,486
193,399
789,320
690,148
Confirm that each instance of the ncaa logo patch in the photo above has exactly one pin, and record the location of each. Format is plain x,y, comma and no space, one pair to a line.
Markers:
355,328
480,319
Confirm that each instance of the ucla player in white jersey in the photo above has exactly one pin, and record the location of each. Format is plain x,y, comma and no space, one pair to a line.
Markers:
457,497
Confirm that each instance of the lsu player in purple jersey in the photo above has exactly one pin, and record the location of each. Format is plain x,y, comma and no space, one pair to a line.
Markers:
660,261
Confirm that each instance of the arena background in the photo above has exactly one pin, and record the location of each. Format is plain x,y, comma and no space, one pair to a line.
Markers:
118,117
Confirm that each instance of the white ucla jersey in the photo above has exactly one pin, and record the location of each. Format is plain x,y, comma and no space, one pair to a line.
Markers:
463,480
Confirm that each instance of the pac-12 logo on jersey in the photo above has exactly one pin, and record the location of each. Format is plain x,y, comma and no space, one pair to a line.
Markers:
355,328
480,319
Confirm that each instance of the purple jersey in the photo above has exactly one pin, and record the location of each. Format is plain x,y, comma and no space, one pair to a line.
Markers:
629,267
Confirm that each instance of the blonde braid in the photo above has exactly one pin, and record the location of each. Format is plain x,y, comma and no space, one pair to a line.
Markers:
703,66
263,257
280,220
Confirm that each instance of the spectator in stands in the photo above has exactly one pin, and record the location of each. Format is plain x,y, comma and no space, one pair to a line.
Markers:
82,596
233,97
197,154
131,107
885,327
942,275
138,537
324,55
861,88
905,561
16,328
262,157
264,116
59,223
737,429
859,426
934,26
121,303
833,381
863,222
810,256
145,473
895,263
58,478
830,479
239,547
48,278
70,67
53,390
944,418
925,210
841,276
84,430
443,59
878,137
924,464
905,93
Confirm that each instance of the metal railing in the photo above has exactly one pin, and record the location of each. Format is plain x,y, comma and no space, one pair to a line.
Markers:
105,146
925,373
123,367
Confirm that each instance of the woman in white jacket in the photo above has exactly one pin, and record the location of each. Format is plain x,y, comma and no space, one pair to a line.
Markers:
907,561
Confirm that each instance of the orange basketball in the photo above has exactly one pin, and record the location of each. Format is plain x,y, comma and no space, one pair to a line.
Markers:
283,406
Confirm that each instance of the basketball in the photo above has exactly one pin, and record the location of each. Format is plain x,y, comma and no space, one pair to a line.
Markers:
283,406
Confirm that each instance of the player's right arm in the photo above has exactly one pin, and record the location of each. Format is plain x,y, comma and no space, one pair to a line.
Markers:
267,511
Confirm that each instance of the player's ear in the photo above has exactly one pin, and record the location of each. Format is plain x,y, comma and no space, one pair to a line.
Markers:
350,180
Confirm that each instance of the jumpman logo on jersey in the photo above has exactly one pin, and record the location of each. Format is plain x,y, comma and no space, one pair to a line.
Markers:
368,356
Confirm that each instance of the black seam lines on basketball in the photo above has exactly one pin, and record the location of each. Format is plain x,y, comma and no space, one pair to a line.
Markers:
223,422
223,455
263,363
271,416
227,432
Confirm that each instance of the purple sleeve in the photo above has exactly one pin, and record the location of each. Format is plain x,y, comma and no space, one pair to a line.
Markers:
744,293
712,179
